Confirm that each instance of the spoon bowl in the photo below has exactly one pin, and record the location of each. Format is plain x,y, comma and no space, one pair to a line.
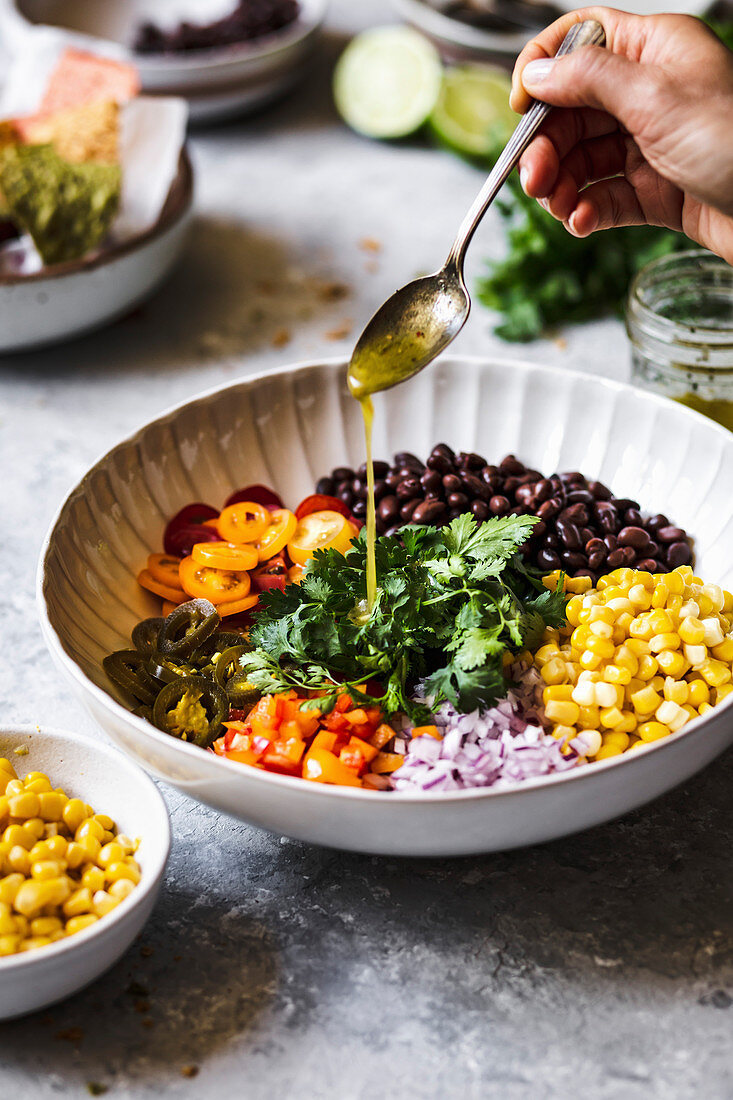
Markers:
409,331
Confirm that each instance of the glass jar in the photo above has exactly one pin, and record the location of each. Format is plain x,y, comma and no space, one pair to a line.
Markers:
679,317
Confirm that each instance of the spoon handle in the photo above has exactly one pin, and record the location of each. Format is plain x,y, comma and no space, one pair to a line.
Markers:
589,33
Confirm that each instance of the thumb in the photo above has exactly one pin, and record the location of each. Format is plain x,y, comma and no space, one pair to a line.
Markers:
591,77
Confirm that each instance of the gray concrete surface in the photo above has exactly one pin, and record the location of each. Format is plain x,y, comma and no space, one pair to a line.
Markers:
598,967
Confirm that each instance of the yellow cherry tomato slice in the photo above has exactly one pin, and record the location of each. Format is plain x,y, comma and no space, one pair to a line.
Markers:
279,533
243,522
164,568
320,531
235,607
146,580
216,585
225,555
295,574
211,523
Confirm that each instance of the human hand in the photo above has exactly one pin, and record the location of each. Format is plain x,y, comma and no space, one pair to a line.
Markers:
645,136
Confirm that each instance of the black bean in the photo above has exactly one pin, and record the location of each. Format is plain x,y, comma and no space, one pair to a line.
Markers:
441,463
586,534
409,488
475,487
408,509
608,522
512,483
429,512
445,450
457,500
325,485
580,496
489,471
342,473
629,554
632,517
572,477
543,490
584,573
452,483
480,510
647,564
569,534
499,505
599,490
380,490
633,536
525,494
611,542
576,513
595,546
359,488
549,540
393,479
471,461
671,534
622,503
548,559
651,549
549,509
615,559
454,513
431,480
572,559
596,559
394,529
538,530
679,553
346,496
655,522
510,464
388,509
359,509
405,458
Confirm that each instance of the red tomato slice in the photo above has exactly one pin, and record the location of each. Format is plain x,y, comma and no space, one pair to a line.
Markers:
192,514
281,529
224,555
244,522
260,494
320,502
216,585
182,541
164,568
271,574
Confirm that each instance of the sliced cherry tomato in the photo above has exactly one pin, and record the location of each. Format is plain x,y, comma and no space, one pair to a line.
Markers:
295,574
236,607
260,494
164,568
320,531
271,574
243,522
279,533
182,541
225,555
216,585
213,523
320,502
146,580
191,515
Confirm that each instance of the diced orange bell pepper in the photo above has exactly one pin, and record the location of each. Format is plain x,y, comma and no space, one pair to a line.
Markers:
383,734
367,751
386,762
321,766
356,717
352,758
343,703
323,740
427,731
243,756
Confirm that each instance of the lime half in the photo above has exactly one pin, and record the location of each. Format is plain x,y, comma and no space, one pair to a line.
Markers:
387,81
473,114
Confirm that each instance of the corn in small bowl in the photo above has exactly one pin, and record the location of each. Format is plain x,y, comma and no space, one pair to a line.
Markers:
75,887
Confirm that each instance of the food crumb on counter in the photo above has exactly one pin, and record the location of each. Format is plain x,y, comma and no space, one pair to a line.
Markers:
340,332
281,338
96,1088
22,750
189,1071
370,244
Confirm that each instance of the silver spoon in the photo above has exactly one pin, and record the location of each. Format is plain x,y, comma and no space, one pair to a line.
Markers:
421,319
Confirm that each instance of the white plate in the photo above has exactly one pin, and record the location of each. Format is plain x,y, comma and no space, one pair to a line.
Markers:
286,429
72,298
103,24
112,785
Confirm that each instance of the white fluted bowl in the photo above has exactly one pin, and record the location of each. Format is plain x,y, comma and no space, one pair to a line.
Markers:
286,429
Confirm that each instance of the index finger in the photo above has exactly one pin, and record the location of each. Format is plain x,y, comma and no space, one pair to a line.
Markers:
549,41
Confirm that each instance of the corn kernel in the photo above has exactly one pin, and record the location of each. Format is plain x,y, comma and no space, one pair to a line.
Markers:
589,660
556,692
73,813
676,691
589,717
18,860
648,667
93,878
715,672
76,854
652,731
554,671
617,738
664,641
9,945
18,834
89,827
607,751
611,717
121,889
672,715
600,629
103,903
560,711
34,896
691,630
616,674
672,662
724,651
602,647
704,708
713,632
44,869
695,654
626,658
640,627
698,692
52,805
584,693
126,843
80,901
35,825
113,853
45,926
78,924
645,701
24,805
130,869
630,721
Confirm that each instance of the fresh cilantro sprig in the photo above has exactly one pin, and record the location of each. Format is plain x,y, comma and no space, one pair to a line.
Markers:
451,602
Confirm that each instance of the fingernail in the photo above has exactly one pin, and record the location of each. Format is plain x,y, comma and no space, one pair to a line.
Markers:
523,178
536,71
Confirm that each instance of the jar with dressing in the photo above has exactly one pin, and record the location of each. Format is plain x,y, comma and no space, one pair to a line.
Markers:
679,317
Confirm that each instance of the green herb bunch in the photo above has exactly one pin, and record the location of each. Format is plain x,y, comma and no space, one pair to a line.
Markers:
451,602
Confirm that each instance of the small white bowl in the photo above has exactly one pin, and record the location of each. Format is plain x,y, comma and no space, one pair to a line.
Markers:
285,429
243,72
69,299
113,785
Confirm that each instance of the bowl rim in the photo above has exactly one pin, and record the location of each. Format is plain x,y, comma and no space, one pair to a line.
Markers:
229,768
176,207
307,22
454,32
150,876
